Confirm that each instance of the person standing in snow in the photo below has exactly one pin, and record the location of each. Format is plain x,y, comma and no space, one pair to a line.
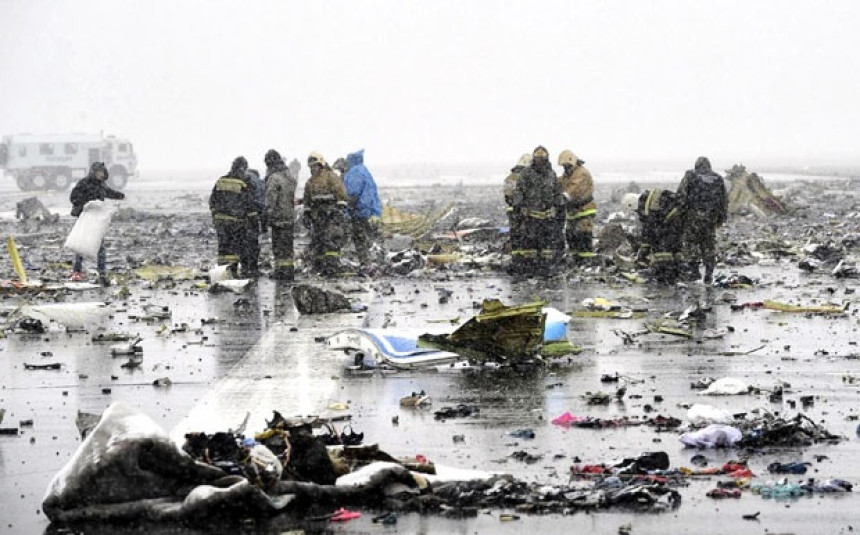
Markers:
578,188
515,221
538,200
280,213
92,187
703,199
365,208
252,241
233,205
324,200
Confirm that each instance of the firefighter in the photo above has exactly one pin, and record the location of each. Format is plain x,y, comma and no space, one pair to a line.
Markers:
703,199
537,200
580,209
515,221
280,213
364,206
325,203
234,212
661,231
252,239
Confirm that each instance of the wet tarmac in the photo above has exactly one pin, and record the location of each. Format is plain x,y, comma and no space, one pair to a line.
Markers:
261,356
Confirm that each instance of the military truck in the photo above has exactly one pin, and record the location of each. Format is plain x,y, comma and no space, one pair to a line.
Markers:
55,161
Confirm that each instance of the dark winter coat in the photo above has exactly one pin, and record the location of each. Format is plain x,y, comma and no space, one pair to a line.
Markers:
537,191
89,189
702,194
280,195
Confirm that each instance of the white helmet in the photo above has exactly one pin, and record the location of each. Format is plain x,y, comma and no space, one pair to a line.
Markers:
525,160
630,202
567,156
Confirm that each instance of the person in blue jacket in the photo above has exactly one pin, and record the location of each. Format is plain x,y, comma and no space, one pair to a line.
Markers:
364,206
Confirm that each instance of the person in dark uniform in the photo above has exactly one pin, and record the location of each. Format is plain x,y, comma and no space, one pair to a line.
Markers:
280,214
515,222
703,199
234,212
537,200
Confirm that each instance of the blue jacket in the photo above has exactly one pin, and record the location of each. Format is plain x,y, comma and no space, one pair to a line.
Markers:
361,188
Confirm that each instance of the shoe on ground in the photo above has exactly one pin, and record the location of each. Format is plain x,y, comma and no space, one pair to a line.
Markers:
77,276
104,280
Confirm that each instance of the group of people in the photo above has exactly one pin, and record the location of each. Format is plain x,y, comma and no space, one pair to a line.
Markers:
337,206
678,228
551,218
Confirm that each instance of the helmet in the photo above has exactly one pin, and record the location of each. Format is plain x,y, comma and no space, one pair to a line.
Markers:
567,157
316,157
630,202
525,160
540,152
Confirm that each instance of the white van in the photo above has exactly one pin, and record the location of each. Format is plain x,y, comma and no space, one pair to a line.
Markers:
55,161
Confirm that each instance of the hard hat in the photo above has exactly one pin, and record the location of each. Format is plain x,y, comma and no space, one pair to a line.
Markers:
567,157
630,202
525,160
316,157
540,152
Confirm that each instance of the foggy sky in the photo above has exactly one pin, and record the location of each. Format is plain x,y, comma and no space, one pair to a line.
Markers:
194,83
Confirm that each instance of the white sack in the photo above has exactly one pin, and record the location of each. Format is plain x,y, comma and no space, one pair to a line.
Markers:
708,414
727,386
219,273
86,236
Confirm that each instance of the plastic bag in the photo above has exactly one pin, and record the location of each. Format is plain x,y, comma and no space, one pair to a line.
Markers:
86,236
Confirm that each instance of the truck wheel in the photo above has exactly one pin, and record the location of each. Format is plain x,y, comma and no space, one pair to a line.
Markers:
39,182
24,182
61,181
118,179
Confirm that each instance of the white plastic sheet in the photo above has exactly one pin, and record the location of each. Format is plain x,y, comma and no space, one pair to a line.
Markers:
86,236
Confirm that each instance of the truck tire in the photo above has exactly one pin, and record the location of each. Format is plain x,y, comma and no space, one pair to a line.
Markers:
39,182
61,181
24,182
118,178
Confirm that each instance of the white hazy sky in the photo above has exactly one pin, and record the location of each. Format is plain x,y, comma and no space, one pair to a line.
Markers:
194,83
